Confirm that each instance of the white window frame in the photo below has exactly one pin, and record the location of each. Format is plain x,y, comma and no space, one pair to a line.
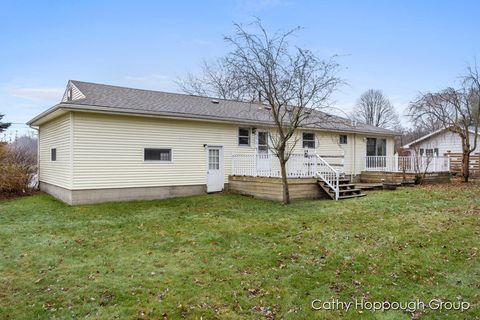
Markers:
314,140
340,139
435,152
157,161
249,137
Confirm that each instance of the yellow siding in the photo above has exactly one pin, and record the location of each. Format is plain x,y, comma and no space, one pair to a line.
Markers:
108,150
56,134
327,143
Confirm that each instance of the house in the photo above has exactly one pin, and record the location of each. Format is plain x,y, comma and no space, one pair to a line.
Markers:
441,142
109,143
444,142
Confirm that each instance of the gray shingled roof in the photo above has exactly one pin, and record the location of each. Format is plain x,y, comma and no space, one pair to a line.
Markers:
114,98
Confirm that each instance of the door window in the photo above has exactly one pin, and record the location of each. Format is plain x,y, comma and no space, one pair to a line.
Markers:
262,142
213,159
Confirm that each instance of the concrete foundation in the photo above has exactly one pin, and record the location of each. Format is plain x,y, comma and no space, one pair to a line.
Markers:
60,193
74,197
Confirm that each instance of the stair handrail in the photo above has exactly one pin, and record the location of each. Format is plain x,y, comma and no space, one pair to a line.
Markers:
331,177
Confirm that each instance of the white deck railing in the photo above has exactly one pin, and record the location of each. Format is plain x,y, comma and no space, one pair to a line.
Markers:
298,166
267,165
329,175
410,164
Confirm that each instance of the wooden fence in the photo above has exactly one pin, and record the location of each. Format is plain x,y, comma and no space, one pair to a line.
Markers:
456,163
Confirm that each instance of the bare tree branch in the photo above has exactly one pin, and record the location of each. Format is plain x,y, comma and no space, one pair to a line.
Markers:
375,109
457,110
292,82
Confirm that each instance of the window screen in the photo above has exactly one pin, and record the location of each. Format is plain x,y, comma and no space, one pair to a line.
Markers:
53,154
309,140
151,154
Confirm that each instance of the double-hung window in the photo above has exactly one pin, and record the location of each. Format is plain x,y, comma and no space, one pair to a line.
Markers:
243,137
308,140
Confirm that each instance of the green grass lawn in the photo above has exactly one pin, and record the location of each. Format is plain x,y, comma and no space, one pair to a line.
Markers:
233,257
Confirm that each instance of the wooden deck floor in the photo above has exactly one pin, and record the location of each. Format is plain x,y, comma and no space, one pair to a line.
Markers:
369,186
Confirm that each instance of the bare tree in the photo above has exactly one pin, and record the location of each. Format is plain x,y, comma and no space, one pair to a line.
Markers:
292,82
426,124
217,80
25,150
375,109
457,110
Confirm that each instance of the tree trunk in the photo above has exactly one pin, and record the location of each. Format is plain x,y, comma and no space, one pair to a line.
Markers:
466,166
286,192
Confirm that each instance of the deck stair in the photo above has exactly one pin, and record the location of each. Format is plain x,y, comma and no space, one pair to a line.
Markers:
346,190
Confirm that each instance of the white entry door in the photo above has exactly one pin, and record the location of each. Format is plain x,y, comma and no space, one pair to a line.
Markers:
263,154
215,178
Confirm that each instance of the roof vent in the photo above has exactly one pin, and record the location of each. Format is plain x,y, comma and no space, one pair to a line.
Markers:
70,94
215,101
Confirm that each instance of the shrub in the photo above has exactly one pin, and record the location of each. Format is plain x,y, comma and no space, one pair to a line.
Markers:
17,167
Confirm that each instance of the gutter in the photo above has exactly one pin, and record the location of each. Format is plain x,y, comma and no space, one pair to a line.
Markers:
183,116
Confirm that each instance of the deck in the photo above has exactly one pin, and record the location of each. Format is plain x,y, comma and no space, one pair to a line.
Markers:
316,176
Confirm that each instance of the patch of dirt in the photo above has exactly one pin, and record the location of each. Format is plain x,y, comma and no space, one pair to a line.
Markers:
11,195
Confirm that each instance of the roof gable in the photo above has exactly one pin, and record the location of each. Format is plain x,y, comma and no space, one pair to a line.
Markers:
430,135
72,93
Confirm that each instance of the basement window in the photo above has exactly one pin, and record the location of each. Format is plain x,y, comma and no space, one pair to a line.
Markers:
157,155
53,154
343,139
308,140
243,137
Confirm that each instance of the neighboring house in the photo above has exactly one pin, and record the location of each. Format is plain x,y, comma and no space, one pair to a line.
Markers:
109,143
439,143
444,143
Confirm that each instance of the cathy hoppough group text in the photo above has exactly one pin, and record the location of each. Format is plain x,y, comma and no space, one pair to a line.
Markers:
410,306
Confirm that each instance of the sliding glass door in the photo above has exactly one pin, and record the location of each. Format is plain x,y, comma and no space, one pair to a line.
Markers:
376,147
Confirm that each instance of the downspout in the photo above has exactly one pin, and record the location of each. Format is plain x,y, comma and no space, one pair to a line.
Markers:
354,172
354,153
38,153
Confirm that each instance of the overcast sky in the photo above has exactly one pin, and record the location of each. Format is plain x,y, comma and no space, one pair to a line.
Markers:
401,47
